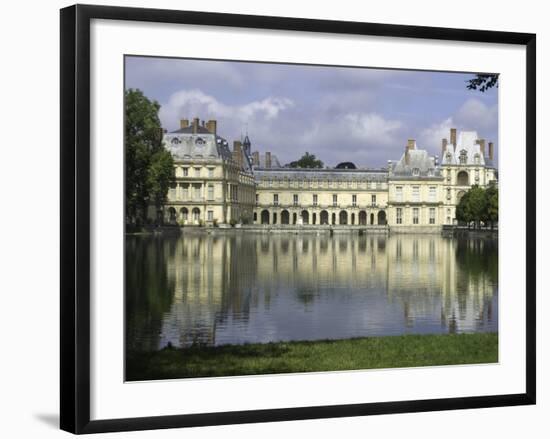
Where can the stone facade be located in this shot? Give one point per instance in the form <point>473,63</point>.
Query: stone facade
<point>216,185</point>
<point>212,184</point>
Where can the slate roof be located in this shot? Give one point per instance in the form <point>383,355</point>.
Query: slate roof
<point>419,164</point>
<point>466,144</point>
<point>332,174</point>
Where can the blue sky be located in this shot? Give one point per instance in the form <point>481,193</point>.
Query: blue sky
<point>337,113</point>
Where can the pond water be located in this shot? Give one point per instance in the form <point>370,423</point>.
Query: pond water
<point>243,287</point>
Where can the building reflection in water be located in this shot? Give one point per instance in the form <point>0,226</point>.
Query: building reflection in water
<point>245,288</point>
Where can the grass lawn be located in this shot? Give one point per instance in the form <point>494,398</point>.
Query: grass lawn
<point>313,356</point>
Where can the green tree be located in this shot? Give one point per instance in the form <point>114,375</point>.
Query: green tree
<point>462,209</point>
<point>491,204</point>
<point>476,203</point>
<point>307,161</point>
<point>483,82</point>
<point>148,165</point>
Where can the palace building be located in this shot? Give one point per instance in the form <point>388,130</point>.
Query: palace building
<point>215,185</point>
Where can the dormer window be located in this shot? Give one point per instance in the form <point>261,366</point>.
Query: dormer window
<point>448,156</point>
<point>431,172</point>
<point>416,172</point>
<point>175,141</point>
<point>476,159</point>
<point>463,157</point>
<point>199,141</point>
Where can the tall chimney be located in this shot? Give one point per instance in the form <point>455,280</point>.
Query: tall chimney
<point>453,138</point>
<point>443,147</point>
<point>410,144</point>
<point>195,125</point>
<point>407,156</point>
<point>491,150</point>
<point>481,143</point>
<point>268,159</point>
<point>184,123</point>
<point>238,152</point>
<point>256,158</point>
<point>211,126</point>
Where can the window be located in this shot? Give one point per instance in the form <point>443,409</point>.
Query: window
<point>295,199</point>
<point>335,200</point>
<point>399,193</point>
<point>416,193</point>
<point>210,191</point>
<point>185,172</point>
<point>210,172</point>
<point>354,200</point>
<point>257,198</point>
<point>210,214</point>
<point>197,191</point>
<point>373,200</point>
<point>315,199</point>
<point>476,159</point>
<point>197,172</point>
<point>416,172</point>
<point>432,215</point>
<point>432,193</point>
<point>463,157</point>
<point>415,215</point>
<point>399,216</point>
<point>276,199</point>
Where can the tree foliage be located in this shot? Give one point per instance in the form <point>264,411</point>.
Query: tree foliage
<point>149,166</point>
<point>479,205</point>
<point>483,82</point>
<point>307,161</point>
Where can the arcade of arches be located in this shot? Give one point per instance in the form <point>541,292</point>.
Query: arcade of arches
<point>323,217</point>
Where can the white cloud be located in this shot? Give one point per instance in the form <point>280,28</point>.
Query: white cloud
<point>191,103</point>
<point>476,114</point>
<point>372,127</point>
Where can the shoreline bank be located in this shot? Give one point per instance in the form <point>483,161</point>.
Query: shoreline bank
<point>312,229</point>
<point>313,356</point>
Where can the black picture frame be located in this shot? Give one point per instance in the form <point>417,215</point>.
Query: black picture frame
<point>75,217</point>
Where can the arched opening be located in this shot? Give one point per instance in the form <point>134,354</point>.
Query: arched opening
<point>372,218</point>
<point>324,217</point>
<point>462,178</point>
<point>333,218</point>
<point>382,218</point>
<point>255,217</point>
<point>184,215</point>
<point>343,217</point>
<point>362,218</point>
<point>294,218</point>
<point>274,218</point>
<point>305,217</point>
<point>352,222</point>
<point>314,218</point>
<point>285,217</point>
<point>196,214</point>
<point>171,215</point>
<point>265,217</point>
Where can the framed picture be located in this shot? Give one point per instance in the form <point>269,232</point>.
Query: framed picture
<point>272,218</point>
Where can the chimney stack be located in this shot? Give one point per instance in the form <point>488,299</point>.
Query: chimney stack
<point>184,123</point>
<point>211,126</point>
<point>491,150</point>
<point>268,159</point>
<point>256,158</point>
<point>443,147</point>
<point>238,152</point>
<point>410,144</point>
<point>195,125</point>
<point>481,143</point>
<point>453,138</point>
